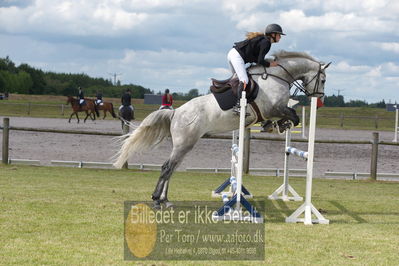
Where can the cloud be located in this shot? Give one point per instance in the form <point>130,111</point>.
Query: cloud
<point>372,83</point>
<point>77,18</point>
<point>180,44</point>
<point>298,21</point>
<point>389,46</point>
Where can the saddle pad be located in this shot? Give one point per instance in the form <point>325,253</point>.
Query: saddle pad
<point>228,99</point>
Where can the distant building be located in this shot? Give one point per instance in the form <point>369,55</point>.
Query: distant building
<point>152,99</point>
<point>391,107</point>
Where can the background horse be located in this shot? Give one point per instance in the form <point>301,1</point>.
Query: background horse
<point>89,108</point>
<point>126,115</point>
<point>202,115</point>
<point>105,106</point>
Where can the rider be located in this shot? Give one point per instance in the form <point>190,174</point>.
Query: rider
<point>126,100</point>
<point>99,98</point>
<point>81,97</point>
<point>167,100</point>
<point>252,50</point>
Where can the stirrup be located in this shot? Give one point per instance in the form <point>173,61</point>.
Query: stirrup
<point>237,111</point>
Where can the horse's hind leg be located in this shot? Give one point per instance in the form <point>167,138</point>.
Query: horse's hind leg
<point>160,194</point>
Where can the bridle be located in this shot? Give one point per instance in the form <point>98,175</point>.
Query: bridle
<point>298,86</point>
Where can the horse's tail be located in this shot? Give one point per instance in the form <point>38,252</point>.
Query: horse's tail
<point>154,128</point>
<point>112,111</point>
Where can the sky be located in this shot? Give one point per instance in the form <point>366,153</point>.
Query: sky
<point>181,44</point>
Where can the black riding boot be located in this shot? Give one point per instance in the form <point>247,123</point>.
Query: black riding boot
<point>237,107</point>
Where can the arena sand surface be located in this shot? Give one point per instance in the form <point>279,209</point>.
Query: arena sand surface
<point>207,152</point>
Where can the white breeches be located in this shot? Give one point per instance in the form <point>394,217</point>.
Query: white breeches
<point>237,65</point>
<point>131,107</point>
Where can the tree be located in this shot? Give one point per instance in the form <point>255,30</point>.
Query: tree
<point>37,77</point>
<point>334,101</point>
<point>8,65</point>
<point>192,93</point>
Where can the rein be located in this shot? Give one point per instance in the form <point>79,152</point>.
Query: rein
<point>294,82</point>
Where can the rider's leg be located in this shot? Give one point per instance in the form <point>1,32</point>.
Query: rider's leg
<point>237,65</point>
<point>241,87</point>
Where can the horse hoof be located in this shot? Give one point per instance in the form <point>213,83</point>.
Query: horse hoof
<point>169,204</point>
<point>283,125</point>
<point>157,205</point>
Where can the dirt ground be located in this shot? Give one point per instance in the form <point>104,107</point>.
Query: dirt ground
<point>207,153</point>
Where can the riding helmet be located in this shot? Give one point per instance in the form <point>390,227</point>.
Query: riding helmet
<point>273,28</point>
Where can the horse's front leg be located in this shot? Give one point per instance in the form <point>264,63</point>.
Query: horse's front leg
<point>70,117</point>
<point>288,119</point>
<point>290,114</point>
<point>87,115</point>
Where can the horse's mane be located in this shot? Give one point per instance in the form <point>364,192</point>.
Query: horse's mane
<point>285,54</point>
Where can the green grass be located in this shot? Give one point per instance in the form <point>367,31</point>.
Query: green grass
<point>72,216</point>
<point>355,118</point>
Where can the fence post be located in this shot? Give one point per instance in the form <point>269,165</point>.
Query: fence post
<point>125,130</point>
<point>6,129</point>
<point>342,120</point>
<point>376,121</point>
<point>247,144</point>
<point>62,109</point>
<point>29,108</point>
<point>374,156</point>
<point>395,139</point>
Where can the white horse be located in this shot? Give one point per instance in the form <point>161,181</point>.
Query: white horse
<point>202,115</point>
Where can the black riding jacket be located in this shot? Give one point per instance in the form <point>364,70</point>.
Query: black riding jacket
<point>80,95</point>
<point>254,50</point>
<point>126,99</point>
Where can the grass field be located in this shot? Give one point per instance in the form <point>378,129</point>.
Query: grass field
<point>73,216</point>
<point>328,117</point>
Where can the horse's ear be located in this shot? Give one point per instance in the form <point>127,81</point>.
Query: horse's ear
<point>327,65</point>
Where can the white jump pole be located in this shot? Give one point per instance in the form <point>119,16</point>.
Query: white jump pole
<point>241,132</point>
<point>238,199</point>
<point>303,123</point>
<point>283,191</point>
<point>396,124</point>
<point>228,183</point>
<point>307,208</point>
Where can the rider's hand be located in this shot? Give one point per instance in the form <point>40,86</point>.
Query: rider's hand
<point>273,63</point>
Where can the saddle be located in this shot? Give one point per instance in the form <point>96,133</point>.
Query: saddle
<point>225,91</point>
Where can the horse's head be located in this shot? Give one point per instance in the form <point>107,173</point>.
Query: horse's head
<point>314,81</point>
<point>71,100</point>
<point>301,66</point>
